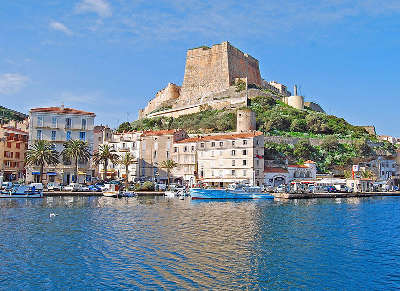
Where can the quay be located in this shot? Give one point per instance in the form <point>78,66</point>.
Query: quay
<point>333,195</point>
<point>69,193</point>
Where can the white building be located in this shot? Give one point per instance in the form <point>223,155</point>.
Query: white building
<point>58,125</point>
<point>383,168</point>
<point>123,143</point>
<point>275,176</point>
<point>221,159</point>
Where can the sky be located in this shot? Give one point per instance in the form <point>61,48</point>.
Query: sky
<point>111,56</point>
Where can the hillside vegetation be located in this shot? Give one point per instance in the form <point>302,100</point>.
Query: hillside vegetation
<point>7,115</point>
<point>208,120</point>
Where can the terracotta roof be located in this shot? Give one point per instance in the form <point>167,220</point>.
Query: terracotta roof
<point>221,137</point>
<point>275,170</point>
<point>60,110</point>
<point>15,129</point>
<point>298,166</point>
<point>309,162</point>
<point>158,132</point>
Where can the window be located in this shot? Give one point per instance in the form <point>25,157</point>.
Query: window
<point>175,149</point>
<point>53,135</point>
<point>233,162</point>
<point>221,143</point>
<point>212,144</point>
<point>244,162</point>
<point>9,144</point>
<point>39,135</point>
<point>257,162</point>
<point>202,145</point>
<point>185,148</point>
<point>82,135</point>
<point>244,142</point>
<point>257,172</point>
<point>233,153</point>
<point>244,173</point>
<point>233,172</point>
<point>167,154</point>
<point>18,145</point>
<point>233,143</point>
<point>54,121</point>
<point>257,142</point>
<point>83,123</point>
<point>68,135</point>
<point>244,152</point>
<point>68,122</point>
<point>155,154</point>
<point>192,148</point>
<point>40,121</point>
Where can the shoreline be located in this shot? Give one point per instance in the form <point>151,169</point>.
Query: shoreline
<point>69,193</point>
<point>333,195</point>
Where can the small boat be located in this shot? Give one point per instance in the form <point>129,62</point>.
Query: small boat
<point>176,192</point>
<point>22,192</point>
<point>234,191</point>
<point>127,194</point>
<point>111,191</point>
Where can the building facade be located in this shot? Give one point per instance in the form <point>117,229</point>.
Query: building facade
<point>219,160</point>
<point>13,145</point>
<point>123,143</point>
<point>58,125</point>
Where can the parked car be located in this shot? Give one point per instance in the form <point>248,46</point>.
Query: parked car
<point>53,186</point>
<point>73,187</point>
<point>38,186</point>
<point>84,188</point>
<point>94,188</point>
<point>330,189</point>
<point>161,187</point>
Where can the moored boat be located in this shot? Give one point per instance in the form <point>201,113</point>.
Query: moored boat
<point>234,191</point>
<point>22,192</point>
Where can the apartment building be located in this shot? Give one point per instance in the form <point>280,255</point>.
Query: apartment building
<point>58,125</point>
<point>13,145</point>
<point>224,158</point>
<point>123,143</point>
<point>156,147</point>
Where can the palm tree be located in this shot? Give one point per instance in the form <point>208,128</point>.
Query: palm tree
<point>127,160</point>
<point>41,153</point>
<point>103,156</point>
<point>168,165</point>
<point>76,150</point>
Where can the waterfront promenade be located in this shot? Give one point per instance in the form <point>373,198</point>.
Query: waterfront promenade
<point>333,195</point>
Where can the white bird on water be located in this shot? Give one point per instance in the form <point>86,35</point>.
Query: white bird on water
<point>53,215</point>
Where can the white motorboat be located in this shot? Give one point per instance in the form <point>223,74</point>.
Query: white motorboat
<point>111,191</point>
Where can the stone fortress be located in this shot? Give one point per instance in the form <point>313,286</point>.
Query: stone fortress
<point>211,80</point>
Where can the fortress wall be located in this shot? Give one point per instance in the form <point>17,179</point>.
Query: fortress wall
<point>172,91</point>
<point>206,72</point>
<point>242,65</point>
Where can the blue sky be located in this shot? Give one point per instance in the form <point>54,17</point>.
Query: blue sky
<point>112,56</point>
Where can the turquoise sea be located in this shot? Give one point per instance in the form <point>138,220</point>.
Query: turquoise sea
<point>100,243</point>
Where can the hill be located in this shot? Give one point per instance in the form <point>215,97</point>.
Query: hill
<point>7,115</point>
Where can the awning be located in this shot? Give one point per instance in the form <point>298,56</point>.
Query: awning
<point>35,173</point>
<point>51,174</point>
<point>81,173</point>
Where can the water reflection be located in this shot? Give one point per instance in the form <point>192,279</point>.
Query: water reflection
<point>155,242</point>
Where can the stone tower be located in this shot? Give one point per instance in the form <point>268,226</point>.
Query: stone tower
<point>245,120</point>
<point>213,70</point>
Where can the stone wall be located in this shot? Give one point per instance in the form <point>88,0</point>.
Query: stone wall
<point>170,92</point>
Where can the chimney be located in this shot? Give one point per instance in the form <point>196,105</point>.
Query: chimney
<point>295,90</point>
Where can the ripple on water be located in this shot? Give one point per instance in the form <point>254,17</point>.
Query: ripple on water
<point>153,243</point>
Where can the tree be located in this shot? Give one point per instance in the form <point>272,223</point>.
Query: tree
<point>127,160</point>
<point>330,144</point>
<point>362,148</point>
<point>303,150</point>
<point>104,155</point>
<point>41,153</point>
<point>76,150</point>
<point>168,165</point>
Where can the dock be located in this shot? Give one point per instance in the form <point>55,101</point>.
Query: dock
<point>333,195</point>
<point>69,193</point>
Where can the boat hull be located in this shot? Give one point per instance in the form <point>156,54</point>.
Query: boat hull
<point>226,194</point>
<point>36,195</point>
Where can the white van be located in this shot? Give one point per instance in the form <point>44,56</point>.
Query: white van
<point>38,186</point>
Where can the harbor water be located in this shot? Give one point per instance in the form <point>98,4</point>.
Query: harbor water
<point>100,243</point>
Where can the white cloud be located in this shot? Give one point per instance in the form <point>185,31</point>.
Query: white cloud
<point>60,27</point>
<point>12,83</point>
<point>100,7</point>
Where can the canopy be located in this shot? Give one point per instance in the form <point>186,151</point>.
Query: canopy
<point>51,174</point>
<point>35,173</point>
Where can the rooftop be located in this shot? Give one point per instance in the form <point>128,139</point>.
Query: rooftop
<point>14,129</point>
<point>159,132</point>
<point>275,170</point>
<point>61,110</point>
<point>222,137</point>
